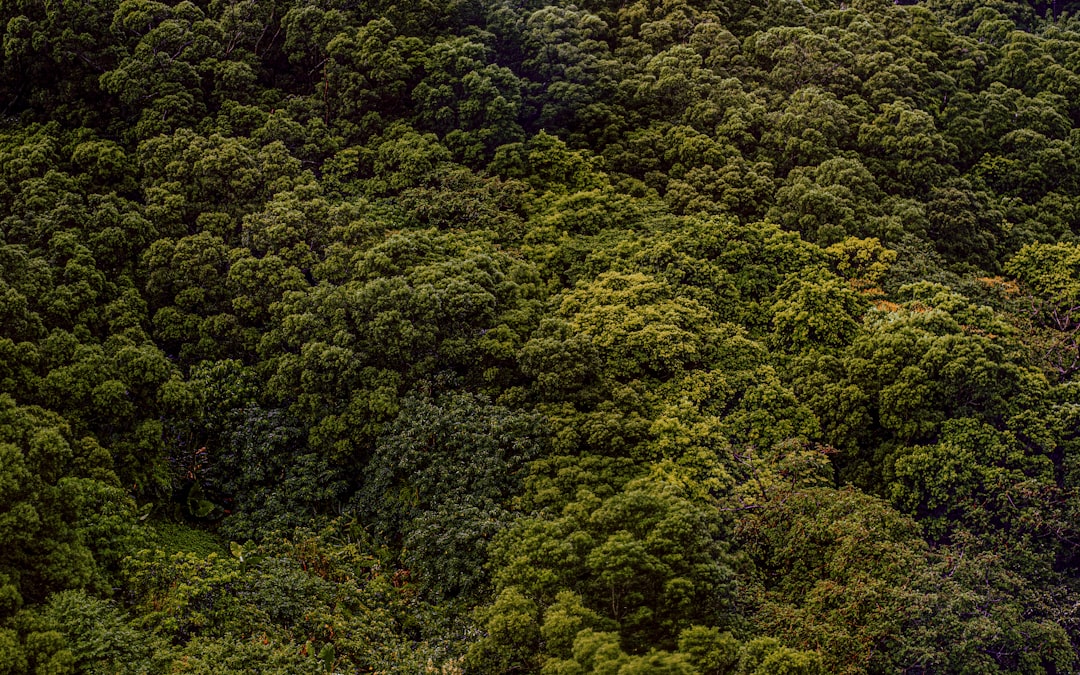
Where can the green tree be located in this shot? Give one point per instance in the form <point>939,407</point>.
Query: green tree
<point>442,478</point>
<point>1048,273</point>
<point>471,104</point>
<point>65,518</point>
<point>905,150</point>
<point>651,558</point>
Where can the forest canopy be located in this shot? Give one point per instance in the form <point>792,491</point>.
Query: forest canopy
<point>491,336</point>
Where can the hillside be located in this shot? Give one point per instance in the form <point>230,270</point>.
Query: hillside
<point>643,336</point>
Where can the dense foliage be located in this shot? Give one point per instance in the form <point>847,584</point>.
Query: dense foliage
<point>462,336</point>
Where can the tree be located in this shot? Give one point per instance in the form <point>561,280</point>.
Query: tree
<point>937,358</point>
<point>442,478</point>
<point>160,79</point>
<point>650,558</point>
<point>195,183</point>
<point>53,56</point>
<point>837,198</point>
<point>371,69</point>
<point>906,148</point>
<point>831,573</point>
<point>811,127</point>
<point>1049,274</point>
<point>821,312</point>
<point>63,509</point>
<point>417,309</point>
<point>472,105</point>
